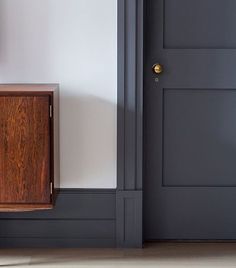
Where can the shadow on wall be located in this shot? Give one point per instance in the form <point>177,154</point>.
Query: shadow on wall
<point>88,141</point>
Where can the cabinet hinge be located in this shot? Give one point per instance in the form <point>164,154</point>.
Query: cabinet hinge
<point>51,188</point>
<point>50,111</point>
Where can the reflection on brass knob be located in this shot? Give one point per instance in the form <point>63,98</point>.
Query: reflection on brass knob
<point>157,68</point>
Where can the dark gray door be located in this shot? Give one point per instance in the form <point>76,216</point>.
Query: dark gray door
<point>190,120</point>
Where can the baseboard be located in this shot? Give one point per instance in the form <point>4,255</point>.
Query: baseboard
<point>81,218</point>
<point>38,242</point>
<point>129,219</point>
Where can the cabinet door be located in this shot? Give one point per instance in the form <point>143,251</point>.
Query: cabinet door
<point>24,149</point>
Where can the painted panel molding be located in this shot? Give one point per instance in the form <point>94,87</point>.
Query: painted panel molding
<point>81,218</point>
<point>130,119</point>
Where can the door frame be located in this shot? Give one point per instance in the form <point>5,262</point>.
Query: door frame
<point>129,209</point>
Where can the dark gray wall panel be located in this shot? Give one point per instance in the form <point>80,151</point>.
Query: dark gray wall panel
<point>75,204</point>
<point>81,218</point>
<point>38,242</point>
<point>80,229</point>
<point>199,137</point>
<point>199,24</point>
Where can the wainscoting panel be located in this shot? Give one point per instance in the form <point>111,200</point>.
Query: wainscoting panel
<point>81,218</point>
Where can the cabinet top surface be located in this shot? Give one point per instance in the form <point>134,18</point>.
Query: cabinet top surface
<point>29,87</point>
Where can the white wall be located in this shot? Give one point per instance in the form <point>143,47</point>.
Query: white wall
<point>71,42</point>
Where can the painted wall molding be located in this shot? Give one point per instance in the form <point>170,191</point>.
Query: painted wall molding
<point>130,123</point>
<point>81,218</point>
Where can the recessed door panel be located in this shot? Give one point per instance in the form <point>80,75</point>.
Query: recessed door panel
<point>199,137</point>
<point>199,24</point>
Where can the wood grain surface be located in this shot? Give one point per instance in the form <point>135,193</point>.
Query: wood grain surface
<point>24,149</point>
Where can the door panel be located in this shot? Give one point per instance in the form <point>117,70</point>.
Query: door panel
<point>199,24</point>
<point>25,149</point>
<point>189,120</point>
<point>199,137</point>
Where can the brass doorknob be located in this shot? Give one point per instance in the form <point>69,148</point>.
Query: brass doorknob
<point>157,68</point>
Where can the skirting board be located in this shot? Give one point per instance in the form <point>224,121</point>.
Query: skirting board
<point>129,219</point>
<point>81,218</point>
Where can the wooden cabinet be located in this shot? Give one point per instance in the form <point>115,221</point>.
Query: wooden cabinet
<point>29,150</point>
